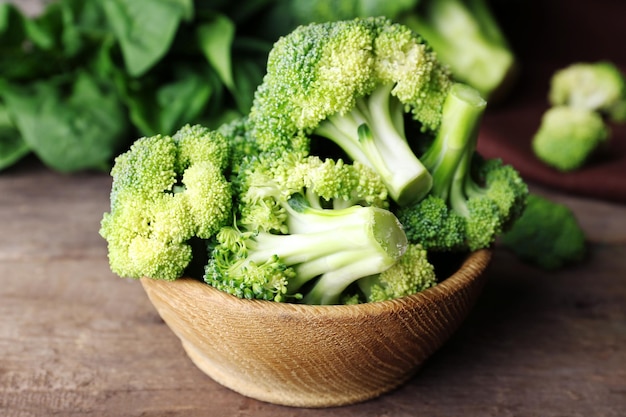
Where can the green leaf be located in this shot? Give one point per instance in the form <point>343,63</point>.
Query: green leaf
<point>12,147</point>
<point>248,75</point>
<point>45,30</point>
<point>216,39</point>
<point>182,101</point>
<point>250,56</point>
<point>83,130</point>
<point>17,61</point>
<point>166,106</point>
<point>145,29</point>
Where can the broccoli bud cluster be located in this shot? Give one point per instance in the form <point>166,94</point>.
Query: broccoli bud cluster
<point>584,98</point>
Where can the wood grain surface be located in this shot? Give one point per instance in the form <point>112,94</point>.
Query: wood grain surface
<point>75,340</point>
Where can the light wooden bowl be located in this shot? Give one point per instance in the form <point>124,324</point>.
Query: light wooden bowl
<point>315,356</point>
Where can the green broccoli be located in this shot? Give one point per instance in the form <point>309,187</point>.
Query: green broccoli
<point>568,137</point>
<point>431,223</point>
<point>411,274</point>
<point>598,86</point>
<point>353,82</point>
<point>166,190</point>
<point>472,200</point>
<point>547,235</point>
<point>240,142</point>
<point>465,34</point>
<point>468,38</point>
<point>288,216</point>
<point>307,228</point>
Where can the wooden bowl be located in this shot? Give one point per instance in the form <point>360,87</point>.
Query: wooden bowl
<point>315,356</point>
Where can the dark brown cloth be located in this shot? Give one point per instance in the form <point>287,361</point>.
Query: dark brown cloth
<point>547,36</point>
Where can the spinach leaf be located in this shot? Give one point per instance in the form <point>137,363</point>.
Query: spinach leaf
<point>145,29</point>
<point>83,79</point>
<point>12,146</point>
<point>215,38</point>
<point>163,104</point>
<point>81,128</point>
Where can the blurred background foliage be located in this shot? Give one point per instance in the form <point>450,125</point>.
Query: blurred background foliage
<point>81,80</point>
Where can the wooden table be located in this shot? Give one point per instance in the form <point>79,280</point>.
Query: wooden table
<point>75,340</point>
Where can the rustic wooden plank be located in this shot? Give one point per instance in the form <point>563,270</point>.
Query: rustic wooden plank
<point>99,347</point>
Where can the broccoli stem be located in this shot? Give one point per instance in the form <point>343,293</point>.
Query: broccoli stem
<point>461,184</point>
<point>467,37</point>
<point>372,132</point>
<point>449,156</point>
<point>305,216</point>
<point>357,242</point>
<point>330,286</point>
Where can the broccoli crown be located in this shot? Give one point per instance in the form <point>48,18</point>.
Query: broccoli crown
<point>546,235</point>
<point>231,268</point>
<point>411,274</point>
<point>166,190</point>
<point>568,136</point>
<point>331,79</point>
<point>475,213</point>
<point>431,223</point>
<point>322,69</point>
<point>304,219</point>
<point>491,200</point>
<point>598,86</point>
<point>240,142</point>
<point>487,195</point>
<point>272,190</point>
<point>465,34</point>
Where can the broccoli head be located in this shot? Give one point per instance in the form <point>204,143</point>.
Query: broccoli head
<point>165,191</point>
<point>597,86</point>
<point>411,274</point>
<point>306,228</point>
<point>431,223</point>
<point>353,82</point>
<point>472,199</point>
<point>547,235</point>
<point>568,137</point>
<point>465,34</point>
<point>240,142</point>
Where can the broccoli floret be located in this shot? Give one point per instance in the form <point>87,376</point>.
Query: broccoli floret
<point>240,142</point>
<point>166,190</point>
<point>464,33</point>
<point>598,86</point>
<point>411,274</point>
<point>269,182</point>
<point>585,97</point>
<point>568,137</point>
<point>472,200</point>
<point>547,235</point>
<point>353,82</point>
<point>307,228</point>
<point>434,225</point>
